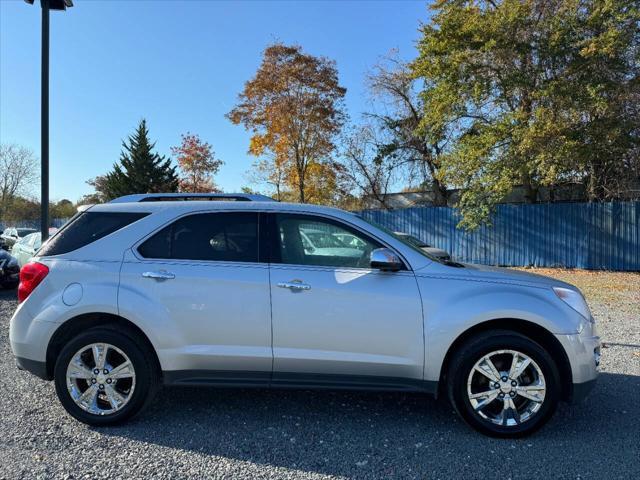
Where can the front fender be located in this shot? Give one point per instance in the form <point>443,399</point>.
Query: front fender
<point>452,307</point>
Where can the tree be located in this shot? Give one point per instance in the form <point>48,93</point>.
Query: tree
<point>270,172</point>
<point>90,198</point>
<point>398,131</point>
<point>372,172</point>
<point>101,194</point>
<point>294,109</point>
<point>198,164</point>
<point>22,208</point>
<point>140,170</point>
<point>18,172</point>
<point>62,209</point>
<point>532,93</point>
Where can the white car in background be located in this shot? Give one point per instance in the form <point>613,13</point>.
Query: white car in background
<point>25,248</point>
<point>355,242</point>
<point>325,244</point>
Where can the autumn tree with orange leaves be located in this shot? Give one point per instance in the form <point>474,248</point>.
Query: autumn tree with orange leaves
<point>197,163</point>
<point>294,109</point>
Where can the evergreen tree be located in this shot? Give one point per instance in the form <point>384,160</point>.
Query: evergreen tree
<point>140,170</point>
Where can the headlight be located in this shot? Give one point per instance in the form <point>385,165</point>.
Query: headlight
<point>574,299</point>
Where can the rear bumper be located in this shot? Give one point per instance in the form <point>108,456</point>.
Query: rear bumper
<point>39,369</point>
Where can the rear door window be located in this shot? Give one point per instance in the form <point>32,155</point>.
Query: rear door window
<point>223,236</point>
<point>86,228</point>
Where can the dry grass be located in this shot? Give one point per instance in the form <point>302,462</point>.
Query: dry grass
<point>598,286</point>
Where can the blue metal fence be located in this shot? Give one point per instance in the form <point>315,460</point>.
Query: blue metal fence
<point>55,222</point>
<point>604,236</point>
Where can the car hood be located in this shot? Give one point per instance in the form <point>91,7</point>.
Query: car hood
<point>436,251</point>
<point>500,275</point>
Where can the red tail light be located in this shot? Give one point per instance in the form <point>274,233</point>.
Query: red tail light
<point>31,275</point>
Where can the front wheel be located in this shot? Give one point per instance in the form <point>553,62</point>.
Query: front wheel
<point>104,377</point>
<point>503,384</point>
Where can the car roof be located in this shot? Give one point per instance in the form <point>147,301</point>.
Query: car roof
<point>181,207</point>
<point>159,197</point>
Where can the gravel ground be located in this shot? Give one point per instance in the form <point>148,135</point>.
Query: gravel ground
<point>208,433</point>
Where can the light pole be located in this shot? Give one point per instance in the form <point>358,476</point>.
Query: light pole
<point>46,5</point>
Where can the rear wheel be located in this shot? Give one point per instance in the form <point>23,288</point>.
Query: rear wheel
<point>503,384</point>
<point>104,377</point>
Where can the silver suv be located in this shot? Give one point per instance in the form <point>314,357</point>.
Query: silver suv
<point>157,290</point>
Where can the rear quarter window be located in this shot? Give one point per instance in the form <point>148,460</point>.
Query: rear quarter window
<point>86,228</point>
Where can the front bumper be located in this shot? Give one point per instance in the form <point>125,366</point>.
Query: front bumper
<point>583,352</point>
<point>581,391</point>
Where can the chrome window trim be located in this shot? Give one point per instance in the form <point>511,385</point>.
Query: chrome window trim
<point>136,245</point>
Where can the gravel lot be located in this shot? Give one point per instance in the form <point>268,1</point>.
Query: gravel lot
<point>208,433</point>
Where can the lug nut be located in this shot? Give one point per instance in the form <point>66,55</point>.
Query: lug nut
<point>496,385</point>
<point>501,395</point>
<point>93,380</point>
<point>105,371</point>
<point>101,387</point>
<point>512,393</point>
<point>514,383</point>
<point>96,371</point>
<point>109,380</point>
<point>504,379</point>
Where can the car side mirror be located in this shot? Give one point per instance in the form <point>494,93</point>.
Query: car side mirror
<point>386,260</point>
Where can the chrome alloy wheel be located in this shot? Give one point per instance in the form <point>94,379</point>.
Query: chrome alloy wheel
<point>101,378</point>
<point>506,387</point>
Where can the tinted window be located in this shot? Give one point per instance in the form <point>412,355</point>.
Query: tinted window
<point>230,237</point>
<point>87,227</point>
<point>306,240</point>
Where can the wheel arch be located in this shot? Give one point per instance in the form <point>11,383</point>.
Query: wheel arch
<point>75,325</point>
<point>535,332</point>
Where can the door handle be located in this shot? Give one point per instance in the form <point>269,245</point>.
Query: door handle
<point>294,285</point>
<point>159,275</point>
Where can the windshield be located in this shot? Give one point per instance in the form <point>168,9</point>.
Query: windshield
<point>408,242</point>
<point>25,231</point>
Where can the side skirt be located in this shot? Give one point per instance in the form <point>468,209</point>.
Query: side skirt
<point>227,379</point>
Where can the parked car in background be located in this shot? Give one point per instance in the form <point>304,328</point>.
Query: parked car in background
<point>11,235</point>
<point>325,244</point>
<point>133,294</point>
<point>25,248</point>
<point>416,242</point>
<point>9,270</point>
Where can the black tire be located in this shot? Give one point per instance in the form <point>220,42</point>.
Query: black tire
<point>471,352</point>
<point>147,379</point>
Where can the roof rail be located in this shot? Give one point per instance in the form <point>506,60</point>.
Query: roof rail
<point>167,197</point>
